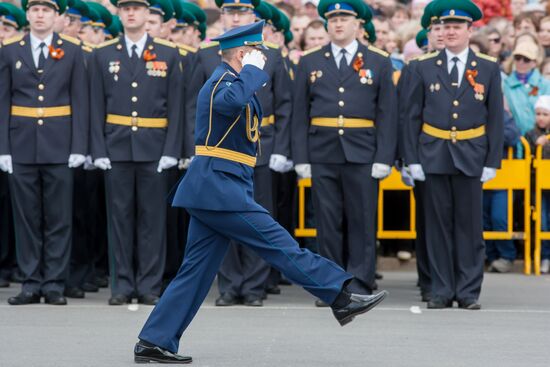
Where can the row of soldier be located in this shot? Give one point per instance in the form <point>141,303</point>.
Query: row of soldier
<point>127,107</point>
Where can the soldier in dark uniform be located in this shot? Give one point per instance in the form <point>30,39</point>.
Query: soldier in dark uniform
<point>12,21</point>
<point>44,103</point>
<point>136,134</point>
<point>160,13</point>
<point>344,137</point>
<point>454,141</point>
<point>218,193</point>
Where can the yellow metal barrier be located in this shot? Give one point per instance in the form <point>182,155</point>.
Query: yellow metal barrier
<point>515,175</point>
<point>542,182</point>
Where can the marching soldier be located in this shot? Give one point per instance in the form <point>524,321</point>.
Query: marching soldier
<point>344,137</point>
<point>453,142</point>
<point>136,134</point>
<point>44,104</point>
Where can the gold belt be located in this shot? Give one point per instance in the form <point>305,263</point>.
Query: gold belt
<point>341,122</point>
<point>268,120</point>
<point>230,155</point>
<point>137,121</point>
<point>454,135</point>
<point>40,112</point>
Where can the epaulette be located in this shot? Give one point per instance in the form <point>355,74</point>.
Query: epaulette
<point>416,57</point>
<point>183,52</point>
<point>70,39</point>
<point>188,48</point>
<point>209,44</point>
<point>486,57</point>
<point>108,43</point>
<point>9,41</point>
<point>428,56</point>
<point>271,45</point>
<point>87,48</point>
<point>160,41</point>
<point>378,51</point>
<point>311,50</point>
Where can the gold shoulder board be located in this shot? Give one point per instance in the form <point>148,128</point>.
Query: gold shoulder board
<point>311,50</point>
<point>9,41</point>
<point>70,39</point>
<point>188,48</point>
<point>160,41</point>
<point>183,52</point>
<point>486,57</point>
<point>271,45</point>
<point>379,51</point>
<point>209,44</point>
<point>428,56</point>
<point>108,43</point>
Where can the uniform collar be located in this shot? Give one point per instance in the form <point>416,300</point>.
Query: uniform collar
<point>462,56</point>
<point>35,41</point>
<point>351,49</point>
<point>140,44</point>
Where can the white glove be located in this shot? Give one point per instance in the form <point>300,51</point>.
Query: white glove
<point>184,163</point>
<point>6,164</point>
<point>417,172</point>
<point>103,163</point>
<point>406,177</point>
<point>89,164</point>
<point>255,58</point>
<point>166,162</point>
<point>303,170</point>
<point>289,164</point>
<point>277,162</point>
<point>76,160</point>
<point>488,174</point>
<point>380,170</point>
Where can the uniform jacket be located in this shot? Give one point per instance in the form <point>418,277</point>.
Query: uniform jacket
<point>63,82</point>
<point>214,183</point>
<point>275,98</point>
<point>188,56</point>
<point>320,91</point>
<point>117,88</point>
<point>432,99</point>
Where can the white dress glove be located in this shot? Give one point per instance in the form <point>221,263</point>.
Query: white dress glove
<point>184,163</point>
<point>380,171</point>
<point>406,177</point>
<point>89,164</point>
<point>417,172</point>
<point>303,170</point>
<point>166,162</point>
<point>277,162</point>
<point>289,165</point>
<point>103,163</point>
<point>6,163</point>
<point>488,174</point>
<point>255,58</point>
<point>76,160</point>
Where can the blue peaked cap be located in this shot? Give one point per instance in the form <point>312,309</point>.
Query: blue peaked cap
<point>246,35</point>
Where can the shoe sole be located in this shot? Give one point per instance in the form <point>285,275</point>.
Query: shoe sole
<point>143,360</point>
<point>350,318</point>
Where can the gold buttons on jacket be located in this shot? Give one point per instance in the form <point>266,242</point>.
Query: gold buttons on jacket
<point>134,99</point>
<point>41,98</point>
<point>455,115</point>
<point>341,103</point>
<point>341,90</point>
<point>134,85</point>
<point>41,86</point>
<point>341,132</point>
<point>40,122</point>
<point>134,113</point>
<point>455,103</point>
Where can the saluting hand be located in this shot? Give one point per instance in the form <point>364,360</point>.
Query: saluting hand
<point>255,58</point>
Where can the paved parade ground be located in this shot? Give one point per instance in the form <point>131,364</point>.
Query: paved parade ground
<point>513,329</point>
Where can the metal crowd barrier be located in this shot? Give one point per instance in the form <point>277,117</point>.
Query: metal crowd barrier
<point>515,175</point>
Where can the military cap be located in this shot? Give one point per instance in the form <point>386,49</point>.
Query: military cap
<point>264,11</point>
<point>198,13</point>
<point>238,3</point>
<point>100,16</point>
<point>183,17</point>
<point>422,38</point>
<point>246,35</point>
<point>163,8</point>
<point>288,36</point>
<point>58,5</point>
<point>202,29</point>
<point>118,3</point>
<point>457,10</point>
<point>13,15</point>
<point>77,8</point>
<point>429,18</point>
<point>357,8</point>
<point>114,29</point>
<point>370,32</point>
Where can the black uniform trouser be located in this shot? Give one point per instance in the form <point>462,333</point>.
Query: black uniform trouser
<point>243,272</point>
<point>347,191</point>
<point>454,236</point>
<point>42,200</point>
<point>422,260</point>
<point>136,222</point>
<point>7,249</point>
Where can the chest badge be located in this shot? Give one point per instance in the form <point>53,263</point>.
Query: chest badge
<point>114,68</point>
<point>18,65</point>
<point>156,68</point>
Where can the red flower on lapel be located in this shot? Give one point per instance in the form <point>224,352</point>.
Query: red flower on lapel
<point>56,53</point>
<point>534,91</point>
<point>358,63</point>
<point>471,76</point>
<point>149,56</point>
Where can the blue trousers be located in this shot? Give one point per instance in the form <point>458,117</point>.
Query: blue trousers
<point>209,235</point>
<point>495,218</point>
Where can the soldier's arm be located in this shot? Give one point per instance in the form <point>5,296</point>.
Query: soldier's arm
<point>196,81</point>
<point>188,149</point>
<point>282,107</point>
<point>174,134</point>
<point>414,98</point>
<point>401,104</point>
<point>300,117</point>
<point>80,107</point>
<point>5,103</point>
<point>97,111</point>
<point>386,117</point>
<point>495,121</point>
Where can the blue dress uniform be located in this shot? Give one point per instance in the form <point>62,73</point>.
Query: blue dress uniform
<point>454,131</point>
<point>218,193</point>
<point>136,120</point>
<point>344,121</point>
<point>44,110</point>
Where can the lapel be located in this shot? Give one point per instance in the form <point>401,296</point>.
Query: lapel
<point>140,67</point>
<point>442,73</point>
<point>50,61</point>
<point>362,50</point>
<point>124,58</point>
<point>329,61</point>
<point>471,64</point>
<point>25,52</point>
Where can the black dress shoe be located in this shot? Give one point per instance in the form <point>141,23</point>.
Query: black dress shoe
<point>102,281</point>
<point>24,298</point>
<point>378,276</point>
<point>4,283</point>
<point>226,300</point>
<point>146,353</point>
<point>426,296</point>
<point>253,301</point>
<point>358,305</point>
<point>273,290</point>
<point>439,303</point>
<point>149,299</point>
<point>470,304</point>
<point>319,303</point>
<point>89,287</point>
<point>55,298</point>
<point>74,292</point>
<point>118,300</point>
